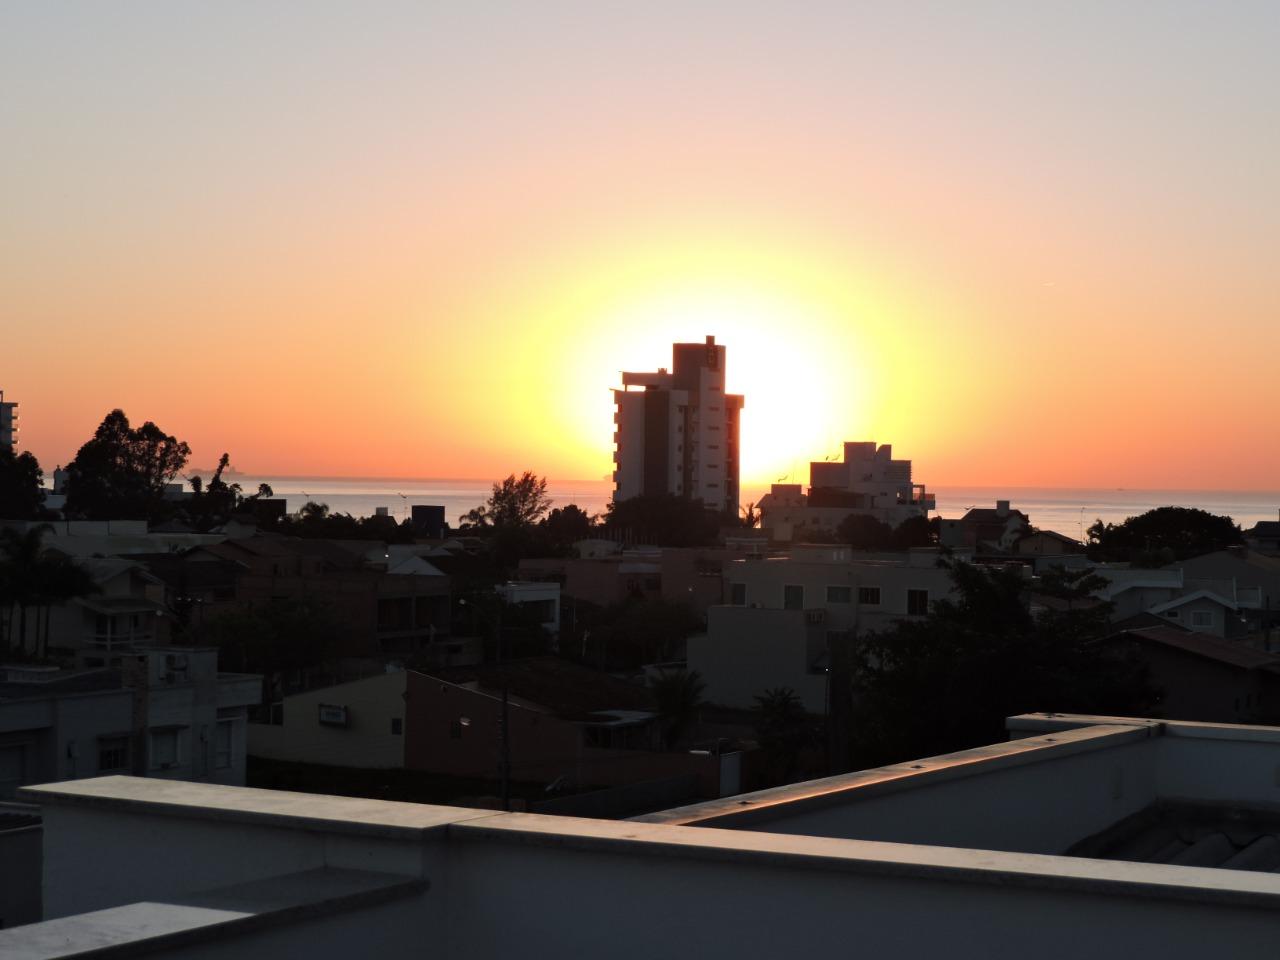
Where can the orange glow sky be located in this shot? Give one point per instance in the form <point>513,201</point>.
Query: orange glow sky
<point>1028,244</point>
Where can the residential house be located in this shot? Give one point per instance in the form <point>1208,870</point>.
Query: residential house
<point>990,530</point>
<point>566,724</point>
<point>1264,537</point>
<point>1205,678</point>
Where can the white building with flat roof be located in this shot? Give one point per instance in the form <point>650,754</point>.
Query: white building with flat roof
<point>676,432</point>
<point>8,422</point>
<point>1102,837</point>
<point>164,712</point>
<point>868,480</point>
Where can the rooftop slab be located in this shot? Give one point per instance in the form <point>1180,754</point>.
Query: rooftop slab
<point>1056,744</point>
<point>140,928</point>
<point>278,808</point>
<point>880,859</point>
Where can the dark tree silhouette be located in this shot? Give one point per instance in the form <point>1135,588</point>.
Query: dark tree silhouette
<point>121,473</point>
<point>864,532</point>
<point>33,578</point>
<point>663,521</point>
<point>677,695</point>
<point>515,502</point>
<point>564,526</point>
<point>784,730</point>
<point>21,497</point>
<point>1163,535</point>
<point>948,682</point>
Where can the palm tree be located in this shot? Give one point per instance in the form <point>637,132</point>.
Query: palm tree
<point>60,579</point>
<point>19,574</point>
<point>678,695</point>
<point>31,577</point>
<point>783,727</point>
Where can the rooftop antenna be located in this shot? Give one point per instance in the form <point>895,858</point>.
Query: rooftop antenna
<point>406,504</point>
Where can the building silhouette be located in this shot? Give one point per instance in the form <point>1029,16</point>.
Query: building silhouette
<point>677,432</point>
<point>8,422</point>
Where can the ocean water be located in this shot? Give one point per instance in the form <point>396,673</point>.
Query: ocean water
<point>1068,511</point>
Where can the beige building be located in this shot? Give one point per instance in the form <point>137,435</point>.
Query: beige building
<point>782,613</point>
<point>356,724</point>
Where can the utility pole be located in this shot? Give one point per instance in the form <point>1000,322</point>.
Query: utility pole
<point>504,726</point>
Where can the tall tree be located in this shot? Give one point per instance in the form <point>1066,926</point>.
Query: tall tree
<point>20,553</point>
<point>21,497</point>
<point>121,472</point>
<point>59,579</point>
<point>677,695</point>
<point>514,503</point>
<point>33,579</point>
<point>784,730</point>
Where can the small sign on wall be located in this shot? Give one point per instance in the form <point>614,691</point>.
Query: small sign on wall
<point>332,715</point>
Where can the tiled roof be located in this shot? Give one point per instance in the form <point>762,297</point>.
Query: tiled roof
<point>1203,645</point>
<point>564,688</point>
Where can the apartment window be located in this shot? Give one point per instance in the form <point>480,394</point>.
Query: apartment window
<point>917,603</point>
<point>839,594</point>
<point>222,745</point>
<point>870,596</point>
<point>113,754</point>
<point>792,597</point>
<point>164,749</point>
<point>738,594</point>
<point>1201,618</point>
<point>1173,614</point>
<point>397,726</point>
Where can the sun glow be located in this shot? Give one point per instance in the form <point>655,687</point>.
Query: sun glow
<point>806,344</point>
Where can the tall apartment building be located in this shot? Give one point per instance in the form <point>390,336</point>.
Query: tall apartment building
<point>8,422</point>
<point>677,432</point>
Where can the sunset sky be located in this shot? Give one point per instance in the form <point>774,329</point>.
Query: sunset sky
<point>1025,243</point>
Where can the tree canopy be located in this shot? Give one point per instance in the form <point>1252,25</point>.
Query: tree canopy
<point>121,472</point>
<point>515,502</point>
<point>663,521</point>
<point>33,578</point>
<point>947,682</point>
<point>1162,536</point>
<point>21,497</point>
<point>865,532</point>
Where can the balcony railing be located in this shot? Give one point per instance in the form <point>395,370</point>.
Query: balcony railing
<point>112,641</point>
